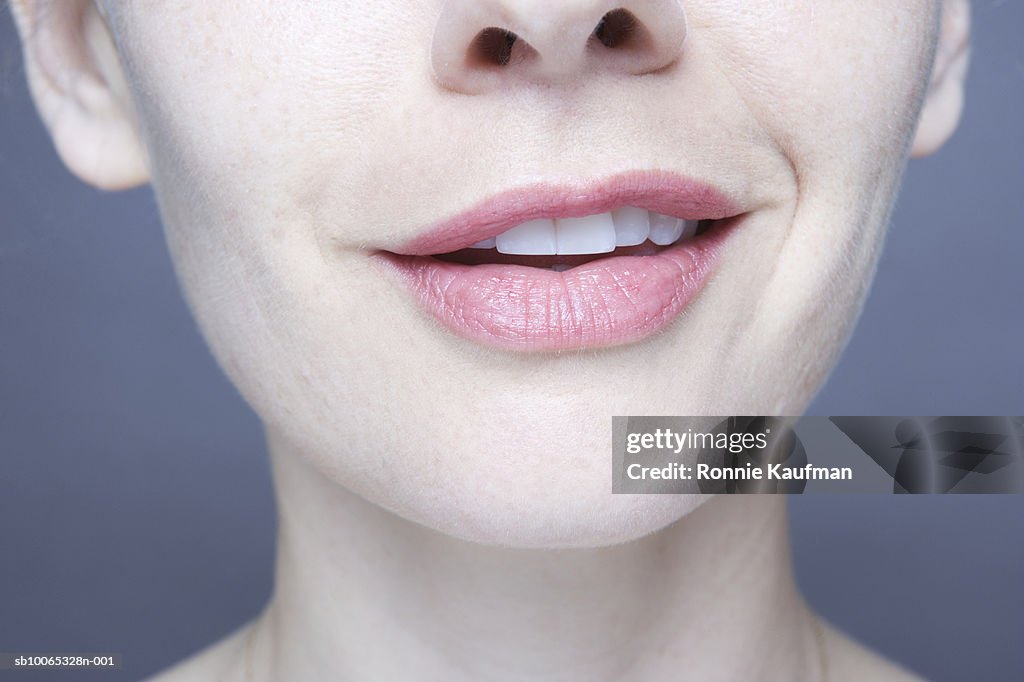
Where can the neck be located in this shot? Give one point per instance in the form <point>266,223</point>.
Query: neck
<point>363,594</point>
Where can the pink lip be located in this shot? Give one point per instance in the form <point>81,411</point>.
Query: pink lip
<point>608,301</point>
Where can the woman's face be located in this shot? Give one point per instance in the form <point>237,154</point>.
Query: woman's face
<point>293,147</point>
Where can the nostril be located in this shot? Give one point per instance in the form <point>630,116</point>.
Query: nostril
<point>618,28</point>
<point>492,47</point>
<point>481,46</point>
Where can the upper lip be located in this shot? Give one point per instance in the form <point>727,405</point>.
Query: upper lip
<point>659,191</point>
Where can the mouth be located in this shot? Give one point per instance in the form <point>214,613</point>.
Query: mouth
<point>555,268</point>
<point>561,244</point>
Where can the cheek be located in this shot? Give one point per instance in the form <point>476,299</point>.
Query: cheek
<point>234,137</point>
<point>832,78</point>
<point>837,87</point>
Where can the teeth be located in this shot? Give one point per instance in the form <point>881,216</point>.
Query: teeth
<point>535,238</point>
<point>600,233</point>
<point>665,229</point>
<point>632,225</point>
<point>689,229</point>
<point>592,234</point>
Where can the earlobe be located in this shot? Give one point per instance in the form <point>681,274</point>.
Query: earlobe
<point>944,100</point>
<point>80,92</point>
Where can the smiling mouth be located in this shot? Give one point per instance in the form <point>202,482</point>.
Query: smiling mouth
<point>554,268</point>
<point>561,244</point>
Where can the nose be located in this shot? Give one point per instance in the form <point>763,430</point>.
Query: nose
<point>483,45</point>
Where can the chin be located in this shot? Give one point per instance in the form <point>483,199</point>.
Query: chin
<point>547,523</point>
<point>527,494</point>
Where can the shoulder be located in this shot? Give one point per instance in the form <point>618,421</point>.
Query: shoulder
<point>850,661</point>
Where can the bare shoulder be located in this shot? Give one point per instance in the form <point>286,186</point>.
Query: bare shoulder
<point>850,661</point>
<point>219,662</point>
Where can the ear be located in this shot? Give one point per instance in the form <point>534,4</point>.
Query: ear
<point>945,97</point>
<point>80,90</point>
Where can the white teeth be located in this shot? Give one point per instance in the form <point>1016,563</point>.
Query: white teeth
<point>600,233</point>
<point>665,229</point>
<point>534,238</point>
<point>591,234</point>
<point>632,225</point>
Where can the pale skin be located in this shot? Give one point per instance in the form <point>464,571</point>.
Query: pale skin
<point>444,507</point>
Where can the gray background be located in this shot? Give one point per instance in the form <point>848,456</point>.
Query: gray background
<point>135,506</point>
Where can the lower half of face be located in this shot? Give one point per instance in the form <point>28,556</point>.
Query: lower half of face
<point>690,236</point>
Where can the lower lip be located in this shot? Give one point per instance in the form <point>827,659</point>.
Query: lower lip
<point>607,302</point>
